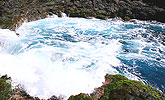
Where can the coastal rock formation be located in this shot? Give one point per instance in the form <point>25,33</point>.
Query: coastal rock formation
<point>14,12</point>
<point>5,88</point>
<point>115,87</point>
<point>118,87</point>
<point>7,92</point>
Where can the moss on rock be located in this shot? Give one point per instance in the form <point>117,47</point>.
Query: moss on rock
<point>5,88</point>
<point>101,16</point>
<point>115,87</point>
<point>80,96</point>
<point>119,87</point>
<point>124,89</point>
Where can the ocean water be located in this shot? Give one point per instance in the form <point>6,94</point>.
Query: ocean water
<point>66,56</point>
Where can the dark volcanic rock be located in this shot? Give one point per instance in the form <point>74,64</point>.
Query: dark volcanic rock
<point>159,3</point>
<point>13,12</point>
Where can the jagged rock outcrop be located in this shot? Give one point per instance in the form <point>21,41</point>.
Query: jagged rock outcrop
<point>118,87</point>
<point>12,12</point>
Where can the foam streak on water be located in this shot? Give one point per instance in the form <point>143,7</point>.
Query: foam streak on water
<point>67,56</point>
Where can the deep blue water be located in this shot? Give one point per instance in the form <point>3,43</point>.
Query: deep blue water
<point>134,49</point>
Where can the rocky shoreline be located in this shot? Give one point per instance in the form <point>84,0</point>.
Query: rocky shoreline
<point>14,12</point>
<point>115,87</point>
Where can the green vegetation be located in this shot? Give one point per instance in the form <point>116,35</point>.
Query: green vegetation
<point>119,87</point>
<point>100,16</point>
<point>22,5</point>
<point>80,96</point>
<point>122,88</point>
<point>7,92</point>
<point>115,78</point>
<point>126,18</point>
<point>5,88</point>
<point>116,87</point>
<point>51,4</point>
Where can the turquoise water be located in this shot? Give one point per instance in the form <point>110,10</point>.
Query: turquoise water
<point>67,56</point>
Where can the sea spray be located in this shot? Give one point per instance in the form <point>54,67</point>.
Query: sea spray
<point>67,56</point>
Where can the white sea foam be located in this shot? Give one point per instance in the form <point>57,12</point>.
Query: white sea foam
<point>61,71</point>
<point>53,66</point>
<point>48,71</point>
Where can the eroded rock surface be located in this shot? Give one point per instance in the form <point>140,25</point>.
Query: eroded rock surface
<point>12,12</point>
